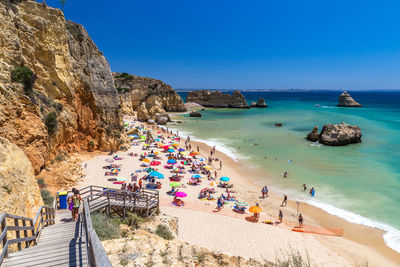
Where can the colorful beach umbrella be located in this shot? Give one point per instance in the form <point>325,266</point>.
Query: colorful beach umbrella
<point>156,175</point>
<point>181,149</point>
<point>177,170</point>
<point>184,153</point>
<point>146,160</point>
<point>171,150</point>
<point>196,176</point>
<point>240,204</point>
<point>224,179</point>
<point>180,194</point>
<point>155,163</point>
<point>207,168</point>
<point>175,184</point>
<point>171,161</point>
<point>165,147</point>
<point>255,209</point>
<point>202,159</point>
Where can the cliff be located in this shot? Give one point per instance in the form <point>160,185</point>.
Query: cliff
<point>68,100</point>
<point>19,192</point>
<point>151,98</point>
<point>217,99</point>
<point>345,100</point>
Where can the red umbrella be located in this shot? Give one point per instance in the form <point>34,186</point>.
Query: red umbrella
<point>165,147</point>
<point>155,163</point>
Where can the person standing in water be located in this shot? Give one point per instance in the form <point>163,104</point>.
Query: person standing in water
<point>285,174</point>
<point>300,220</point>
<point>284,202</point>
<point>304,187</point>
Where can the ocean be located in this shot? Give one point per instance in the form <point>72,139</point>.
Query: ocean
<point>358,182</point>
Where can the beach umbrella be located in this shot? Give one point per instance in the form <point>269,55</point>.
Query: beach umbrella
<point>213,183</point>
<point>165,147</point>
<point>156,175</point>
<point>240,204</point>
<point>175,145</point>
<point>202,159</point>
<point>158,132</point>
<point>146,145</point>
<point>175,184</point>
<point>143,137</point>
<point>178,171</point>
<point>171,161</point>
<point>115,170</point>
<point>196,176</point>
<point>171,150</point>
<point>181,149</point>
<point>121,179</point>
<point>180,194</point>
<point>224,179</point>
<point>118,182</point>
<point>255,209</point>
<point>155,163</point>
<point>157,139</point>
<point>184,153</point>
<point>195,153</point>
<point>146,160</point>
<point>207,168</point>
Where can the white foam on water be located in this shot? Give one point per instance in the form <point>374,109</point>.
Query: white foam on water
<point>391,237</point>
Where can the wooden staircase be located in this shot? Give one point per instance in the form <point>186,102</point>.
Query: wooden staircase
<point>61,244</point>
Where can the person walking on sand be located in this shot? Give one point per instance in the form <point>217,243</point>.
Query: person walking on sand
<point>76,202</point>
<point>140,183</point>
<point>300,220</point>
<point>198,149</point>
<point>220,165</point>
<point>284,202</point>
<point>280,216</point>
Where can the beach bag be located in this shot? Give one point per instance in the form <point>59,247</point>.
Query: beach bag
<point>71,205</point>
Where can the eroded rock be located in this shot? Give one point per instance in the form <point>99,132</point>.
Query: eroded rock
<point>217,99</point>
<point>345,100</point>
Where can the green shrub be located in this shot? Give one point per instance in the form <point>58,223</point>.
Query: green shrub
<point>105,227</point>
<point>41,182</point>
<point>46,196</point>
<point>125,76</point>
<point>91,144</point>
<point>133,220</point>
<point>60,157</point>
<point>163,231</point>
<point>117,134</point>
<point>59,107</point>
<point>7,188</point>
<point>51,123</point>
<point>25,76</point>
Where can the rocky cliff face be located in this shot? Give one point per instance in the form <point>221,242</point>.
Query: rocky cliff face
<point>345,100</point>
<point>217,99</point>
<point>73,102</point>
<point>19,192</point>
<point>151,98</point>
<point>336,134</point>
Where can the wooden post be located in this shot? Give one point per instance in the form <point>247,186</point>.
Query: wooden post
<point>25,234</point>
<point>3,227</point>
<point>17,235</point>
<point>33,232</point>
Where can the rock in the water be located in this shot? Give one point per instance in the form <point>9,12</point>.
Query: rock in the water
<point>336,134</point>
<point>253,104</point>
<point>217,99</point>
<point>313,135</point>
<point>278,124</point>
<point>195,113</point>
<point>261,103</point>
<point>345,100</point>
<point>162,120</point>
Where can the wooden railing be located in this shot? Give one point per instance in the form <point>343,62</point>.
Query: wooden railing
<point>27,230</point>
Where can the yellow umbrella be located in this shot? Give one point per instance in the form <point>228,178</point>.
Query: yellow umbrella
<point>213,183</point>
<point>175,145</point>
<point>145,160</point>
<point>207,168</point>
<point>184,153</point>
<point>255,209</point>
<point>195,153</point>
<point>157,153</point>
<point>146,145</point>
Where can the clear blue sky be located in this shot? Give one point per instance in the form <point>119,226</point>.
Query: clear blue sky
<point>248,44</point>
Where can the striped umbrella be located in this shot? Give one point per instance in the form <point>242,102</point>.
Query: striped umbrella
<point>240,203</point>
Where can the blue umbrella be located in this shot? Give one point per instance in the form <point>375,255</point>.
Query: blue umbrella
<point>171,161</point>
<point>156,175</point>
<point>196,176</point>
<point>181,149</point>
<point>224,179</point>
<point>171,150</point>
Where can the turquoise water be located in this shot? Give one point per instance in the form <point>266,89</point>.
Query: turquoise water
<point>359,182</point>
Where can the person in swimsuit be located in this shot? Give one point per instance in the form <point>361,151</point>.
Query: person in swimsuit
<point>76,200</point>
<point>284,202</point>
<point>280,216</point>
<point>300,220</point>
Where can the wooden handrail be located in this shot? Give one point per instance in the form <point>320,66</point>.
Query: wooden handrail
<point>45,218</point>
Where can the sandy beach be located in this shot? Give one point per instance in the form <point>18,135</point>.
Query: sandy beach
<point>228,232</point>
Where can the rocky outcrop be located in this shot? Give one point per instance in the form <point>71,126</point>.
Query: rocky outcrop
<point>217,99</point>
<point>345,100</point>
<point>149,96</point>
<point>261,103</point>
<point>73,93</point>
<point>192,105</point>
<point>195,113</point>
<point>313,135</point>
<point>19,191</point>
<point>336,134</point>
<point>253,104</point>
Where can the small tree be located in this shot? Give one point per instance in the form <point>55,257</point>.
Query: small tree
<point>51,123</point>
<point>25,76</point>
<point>62,2</point>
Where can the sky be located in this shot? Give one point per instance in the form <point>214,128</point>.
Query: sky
<point>248,44</point>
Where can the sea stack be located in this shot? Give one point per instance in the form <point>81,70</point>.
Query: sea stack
<point>345,100</point>
<point>336,134</point>
<point>261,103</point>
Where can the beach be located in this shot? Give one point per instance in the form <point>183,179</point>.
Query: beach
<point>358,245</point>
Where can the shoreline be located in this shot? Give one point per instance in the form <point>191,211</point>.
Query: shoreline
<point>361,234</point>
<point>358,241</point>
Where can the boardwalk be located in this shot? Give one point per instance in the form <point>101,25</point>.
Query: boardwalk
<point>61,244</point>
